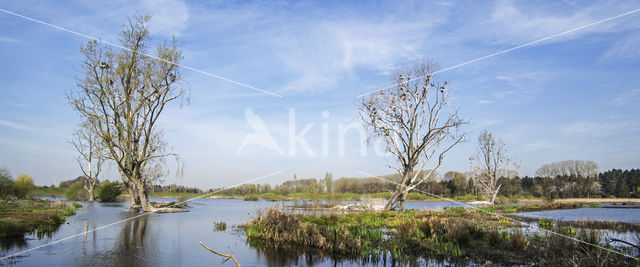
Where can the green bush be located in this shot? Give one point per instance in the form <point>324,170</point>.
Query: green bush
<point>6,183</point>
<point>22,185</point>
<point>75,192</point>
<point>109,192</point>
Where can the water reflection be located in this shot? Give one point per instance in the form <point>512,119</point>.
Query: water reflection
<point>129,248</point>
<point>172,239</point>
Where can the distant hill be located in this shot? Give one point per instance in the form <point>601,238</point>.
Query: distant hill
<point>80,178</point>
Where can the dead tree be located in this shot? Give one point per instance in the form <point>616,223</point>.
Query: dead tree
<point>417,124</point>
<point>91,154</point>
<point>122,94</point>
<point>489,163</point>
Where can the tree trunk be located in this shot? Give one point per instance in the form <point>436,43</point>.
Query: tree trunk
<point>134,200</point>
<point>403,198</point>
<point>400,194</point>
<point>143,198</point>
<point>493,198</point>
<point>91,195</point>
<point>394,198</point>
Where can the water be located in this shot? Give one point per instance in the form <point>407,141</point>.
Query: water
<point>170,239</point>
<point>595,214</point>
<point>173,239</point>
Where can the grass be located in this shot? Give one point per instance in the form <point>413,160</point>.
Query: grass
<point>42,217</point>
<point>49,191</point>
<point>175,195</point>
<point>598,200</point>
<point>455,234</point>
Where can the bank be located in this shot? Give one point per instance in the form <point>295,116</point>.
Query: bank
<point>33,216</point>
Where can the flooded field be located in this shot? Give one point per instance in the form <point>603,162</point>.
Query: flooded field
<point>173,239</point>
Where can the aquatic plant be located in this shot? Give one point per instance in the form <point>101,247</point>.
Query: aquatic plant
<point>455,211</point>
<point>219,226</point>
<point>510,209</point>
<point>251,198</point>
<point>545,223</point>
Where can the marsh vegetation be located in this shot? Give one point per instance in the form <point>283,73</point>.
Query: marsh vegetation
<point>453,235</point>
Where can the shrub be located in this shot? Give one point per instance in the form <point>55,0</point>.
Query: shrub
<point>22,185</point>
<point>63,184</point>
<point>6,184</point>
<point>109,192</point>
<point>75,191</point>
<point>457,232</point>
<point>494,237</point>
<point>519,240</point>
<point>251,198</point>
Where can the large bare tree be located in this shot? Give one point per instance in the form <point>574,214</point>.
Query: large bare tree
<point>417,124</point>
<point>122,94</point>
<point>91,155</point>
<point>489,163</point>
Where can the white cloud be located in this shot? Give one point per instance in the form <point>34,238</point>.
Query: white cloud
<point>333,50</point>
<point>527,22</point>
<point>504,78</point>
<point>15,125</point>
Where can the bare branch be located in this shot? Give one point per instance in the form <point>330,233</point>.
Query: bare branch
<point>407,118</point>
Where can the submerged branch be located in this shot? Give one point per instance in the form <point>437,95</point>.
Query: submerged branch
<point>230,256</point>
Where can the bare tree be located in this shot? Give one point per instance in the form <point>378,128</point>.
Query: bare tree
<point>122,94</point>
<point>489,163</point>
<point>577,168</point>
<point>91,154</point>
<point>416,122</point>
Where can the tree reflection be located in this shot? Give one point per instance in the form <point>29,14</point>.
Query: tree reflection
<point>128,248</point>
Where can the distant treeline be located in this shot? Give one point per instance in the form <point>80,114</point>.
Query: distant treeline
<point>613,183</point>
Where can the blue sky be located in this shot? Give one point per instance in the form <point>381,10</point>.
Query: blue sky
<point>571,97</point>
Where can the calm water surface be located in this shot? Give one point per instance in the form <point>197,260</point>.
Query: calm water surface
<point>628,215</point>
<point>173,239</point>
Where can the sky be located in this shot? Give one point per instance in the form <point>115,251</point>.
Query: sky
<point>572,96</point>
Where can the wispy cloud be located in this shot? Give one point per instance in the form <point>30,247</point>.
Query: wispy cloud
<point>518,87</point>
<point>15,125</point>
<point>484,123</point>
<point>538,145</point>
<point>595,129</point>
<point>9,40</point>
<point>334,50</point>
<point>170,17</point>
<point>626,97</point>
<point>517,22</point>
